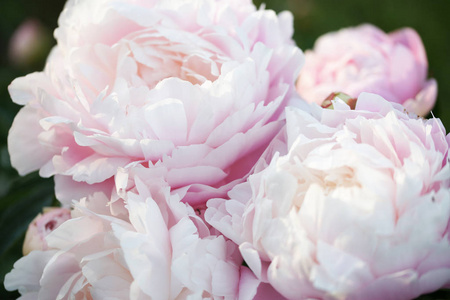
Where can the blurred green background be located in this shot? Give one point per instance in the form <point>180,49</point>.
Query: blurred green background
<point>21,198</point>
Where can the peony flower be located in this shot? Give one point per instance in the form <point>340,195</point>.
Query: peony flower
<point>195,89</point>
<point>365,59</point>
<point>357,206</point>
<point>161,250</point>
<point>41,226</point>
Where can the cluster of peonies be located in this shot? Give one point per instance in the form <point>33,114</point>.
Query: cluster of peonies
<point>193,170</point>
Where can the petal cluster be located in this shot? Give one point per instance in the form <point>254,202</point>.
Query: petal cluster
<point>365,59</point>
<point>160,250</point>
<point>170,251</point>
<point>196,89</point>
<point>358,207</point>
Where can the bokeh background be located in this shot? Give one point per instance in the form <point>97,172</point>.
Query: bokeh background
<point>21,198</point>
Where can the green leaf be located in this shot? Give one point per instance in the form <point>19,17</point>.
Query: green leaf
<point>439,295</point>
<point>25,199</point>
<point>18,208</point>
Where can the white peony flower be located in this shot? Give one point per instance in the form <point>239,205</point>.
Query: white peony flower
<point>195,88</point>
<point>357,208</point>
<point>160,250</point>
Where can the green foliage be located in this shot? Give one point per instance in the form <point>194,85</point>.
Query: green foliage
<point>22,199</point>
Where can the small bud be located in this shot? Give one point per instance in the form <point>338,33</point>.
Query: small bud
<point>42,226</point>
<point>29,44</point>
<point>328,102</point>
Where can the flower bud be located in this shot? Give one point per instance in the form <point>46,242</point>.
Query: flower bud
<point>29,44</point>
<point>327,103</point>
<point>42,226</point>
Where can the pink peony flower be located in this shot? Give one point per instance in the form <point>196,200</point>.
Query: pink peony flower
<point>365,59</point>
<point>43,225</point>
<point>161,250</point>
<point>195,89</point>
<point>357,208</point>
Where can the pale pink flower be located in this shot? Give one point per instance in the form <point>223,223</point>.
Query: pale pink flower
<point>357,208</point>
<point>161,250</point>
<point>83,259</point>
<point>195,88</point>
<point>41,226</point>
<point>365,59</point>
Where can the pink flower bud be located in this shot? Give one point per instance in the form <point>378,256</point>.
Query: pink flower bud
<point>42,226</point>
<point>29,44</point>
<point>328,103</point>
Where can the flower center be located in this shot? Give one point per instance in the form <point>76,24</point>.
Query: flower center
<point>158,58</point>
